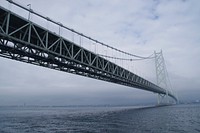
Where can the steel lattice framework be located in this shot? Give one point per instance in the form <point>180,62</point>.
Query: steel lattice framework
<point>23,40</point>
<point>161,75</point>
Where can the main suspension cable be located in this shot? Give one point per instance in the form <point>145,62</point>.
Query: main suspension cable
<point>73,31</point>
<point>128,59</point>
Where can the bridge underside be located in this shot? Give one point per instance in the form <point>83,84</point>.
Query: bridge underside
<point>28,42</point>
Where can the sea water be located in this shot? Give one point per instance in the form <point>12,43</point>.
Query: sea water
<point>166,119</point>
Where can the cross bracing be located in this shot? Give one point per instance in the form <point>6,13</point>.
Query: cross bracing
<point>23,40</point>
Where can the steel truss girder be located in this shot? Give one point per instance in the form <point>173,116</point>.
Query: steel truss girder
<point>28,42</point>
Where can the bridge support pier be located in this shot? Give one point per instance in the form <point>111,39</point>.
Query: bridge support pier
<point>163,99</point>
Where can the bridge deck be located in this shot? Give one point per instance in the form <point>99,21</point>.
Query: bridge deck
<point>26,41</point>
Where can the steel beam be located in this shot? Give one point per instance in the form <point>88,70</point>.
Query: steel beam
<point>28,42</point>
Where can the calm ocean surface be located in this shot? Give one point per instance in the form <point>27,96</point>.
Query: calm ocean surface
<point>168,119</point>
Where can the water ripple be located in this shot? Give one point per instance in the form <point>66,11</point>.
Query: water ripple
<point>170,119</point>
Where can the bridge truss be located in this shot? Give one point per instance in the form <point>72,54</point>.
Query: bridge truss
<point>23,40</point>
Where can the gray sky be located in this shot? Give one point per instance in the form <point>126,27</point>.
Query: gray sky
<point>135,26</point>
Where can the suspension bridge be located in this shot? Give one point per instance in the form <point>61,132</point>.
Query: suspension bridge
<point>62,48</point>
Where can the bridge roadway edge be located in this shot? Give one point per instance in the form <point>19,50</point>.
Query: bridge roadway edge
<point>79,66</point>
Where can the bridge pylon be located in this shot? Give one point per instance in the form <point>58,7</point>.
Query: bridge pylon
<point>24,40</point>
<point>161,78</point>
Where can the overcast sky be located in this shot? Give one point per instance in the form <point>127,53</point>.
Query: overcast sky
<point>135,26</point>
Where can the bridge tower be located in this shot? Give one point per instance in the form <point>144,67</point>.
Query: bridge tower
<point>161,77</point>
